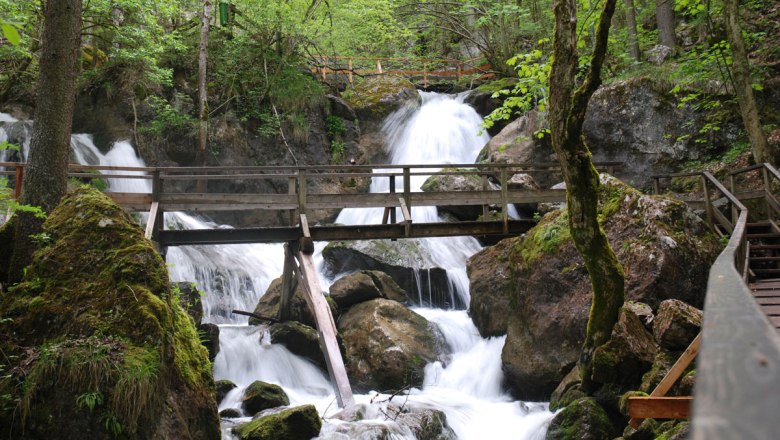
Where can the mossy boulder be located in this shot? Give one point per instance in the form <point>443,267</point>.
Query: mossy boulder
<point>209,337</point>
<point>676,324</point>
<point>261,395</point>
<point>101,343</point>
<point>375,98</point>
<point>387,345</point>
<point>583,419</point>
<point>223,387</point>
<point>491,288</point>
<point>268,305</point>
<point>628,353</point>
<point>363,286</point>
<point>664,248</point>
<point>405,261</point>
<point>300,339</point>
<point>298,423</point>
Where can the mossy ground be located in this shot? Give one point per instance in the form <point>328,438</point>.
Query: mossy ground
<point>94,322</point>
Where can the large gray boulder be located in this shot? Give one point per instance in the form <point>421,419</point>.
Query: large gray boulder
<point>268,305</point>
<point>490,284</point>
<point>677,324</point>
<point>405,261</point>
<point>629,352</point>
<point>454,183</point>
<point>363,286</point>
<point>638,122</point>
<point>666,252</point>
<point>387,345</point>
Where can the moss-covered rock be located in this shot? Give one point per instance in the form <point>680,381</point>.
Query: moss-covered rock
<point>666,252</point>
<point>103,347</point>
<point>300,339</point>
<point>387,345</point>
<point>583,419</point>
<point>298,423</point>
<point>261,395</point>
<point>375,98</point>
<point>223,387</point>
<point>676,324</point>
<point>628,353</point>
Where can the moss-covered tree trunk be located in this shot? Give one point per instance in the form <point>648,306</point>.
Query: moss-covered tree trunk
<point>203,106</point>
<point>567,114</point>
<point>46,175</point>
<point>744,88</point>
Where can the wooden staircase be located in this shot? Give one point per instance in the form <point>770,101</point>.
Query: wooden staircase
<point>764,263</point>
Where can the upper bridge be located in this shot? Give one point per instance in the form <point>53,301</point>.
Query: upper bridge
<point>291,193</point>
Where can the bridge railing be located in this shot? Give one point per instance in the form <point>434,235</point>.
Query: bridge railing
<point>737,390</point>
<point>423,70</point>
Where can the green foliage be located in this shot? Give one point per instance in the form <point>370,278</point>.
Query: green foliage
<point>168,119</point>
<point>337,150</point>
<point>334,126</point>
<point>90,400</point>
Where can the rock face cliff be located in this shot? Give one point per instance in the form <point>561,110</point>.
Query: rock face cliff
<point>98,343</point>
<point>665,250</point>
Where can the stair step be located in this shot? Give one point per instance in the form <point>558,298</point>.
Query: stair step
<point>762,258</point>
<point>763,235</point>
<point>764,247</point>
<point>766,271</point>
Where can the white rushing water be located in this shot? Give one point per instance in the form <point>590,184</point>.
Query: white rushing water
<point>468,388</point>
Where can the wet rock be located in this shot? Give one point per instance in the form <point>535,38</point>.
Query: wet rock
<point>567,391</point>
<point>397,422</point>
<point>210,339</point>
<point>230,413</point>
<point>662,363</point>
<point>427,424</point>
<point>583,419</point>
<point>387,345</point>
<point>453,183</point>
<point>524,182</point>
<point>223,388</point>
<point>268,305</point>
<point>490,284</point>
<point>484,103</point>
<point>407,263</point>
<point>300,339</point>
<point>298,423</point>
<point>552,292</point>
<point>677,324</point>
<point>263,395</point>
<point>628,353</point>
<point>340,108</point>
<point>363,286</point>
<point>643,311</point>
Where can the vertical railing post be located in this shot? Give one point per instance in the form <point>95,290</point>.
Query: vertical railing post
<point>657,185</point>
<point>425,75</point>
<point>707,202</point>
<point>460,70</point>
<point>301,191</point>
<point>734,211</point>
<point>504,200</point>
<point>767,190</point>
<point>19,179</point>
<point>379,67</point>
<point>408,189</point>
<point>392,191</point>
<point>485,209</point>
<point>291,190</point>
<point>156,186</point>
<point>349,71</point>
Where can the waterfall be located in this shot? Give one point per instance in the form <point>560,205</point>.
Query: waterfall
<point>467,389</point>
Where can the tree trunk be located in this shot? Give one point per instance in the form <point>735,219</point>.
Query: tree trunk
<point>743,87</point>
<point>633,36</point>
<point>203,105</point>
<point>664,15</point>
<point>566,116</point>
<point>46,176</point>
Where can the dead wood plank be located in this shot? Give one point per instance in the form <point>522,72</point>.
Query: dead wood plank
<point>326,328</point>
<point>659,407</point>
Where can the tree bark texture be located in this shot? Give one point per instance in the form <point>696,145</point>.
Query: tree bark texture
<point>45,178</point>
<point>740,69</point>
<point>633,36</point>
<point>566,115</point>
<point>664,15</point>
<point>203,106</point>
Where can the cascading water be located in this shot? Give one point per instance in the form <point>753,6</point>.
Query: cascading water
<point>468,388</point>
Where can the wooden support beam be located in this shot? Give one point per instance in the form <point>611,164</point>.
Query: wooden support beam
<point>326,328</point>
<point>407,217</point>
<point>152,220</point>
<point>672,375</point>
<point>305,244</point>
<point>650,407</point>
<point>288,282</point>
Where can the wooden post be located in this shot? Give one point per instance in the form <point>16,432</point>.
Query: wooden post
<point>460,70</point>
<point>379,67</point>
<point>767,189</point>
<point>19,179</point>
<point>291,190</point>
<point>707,203</point>
<point>407,188</point>
<point>326,328</point>
<point>504,198</point>
<point>392,190</point>
<point>288,287</point>
<point>734,210</point>
<point>151,221</point>
<point>657,185</point>
<point>484,188</point>
<point>301,191</point>
<point>425,76</point>
<point>349,72</point>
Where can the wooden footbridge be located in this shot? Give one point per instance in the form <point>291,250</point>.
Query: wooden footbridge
<point>737,391</point>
